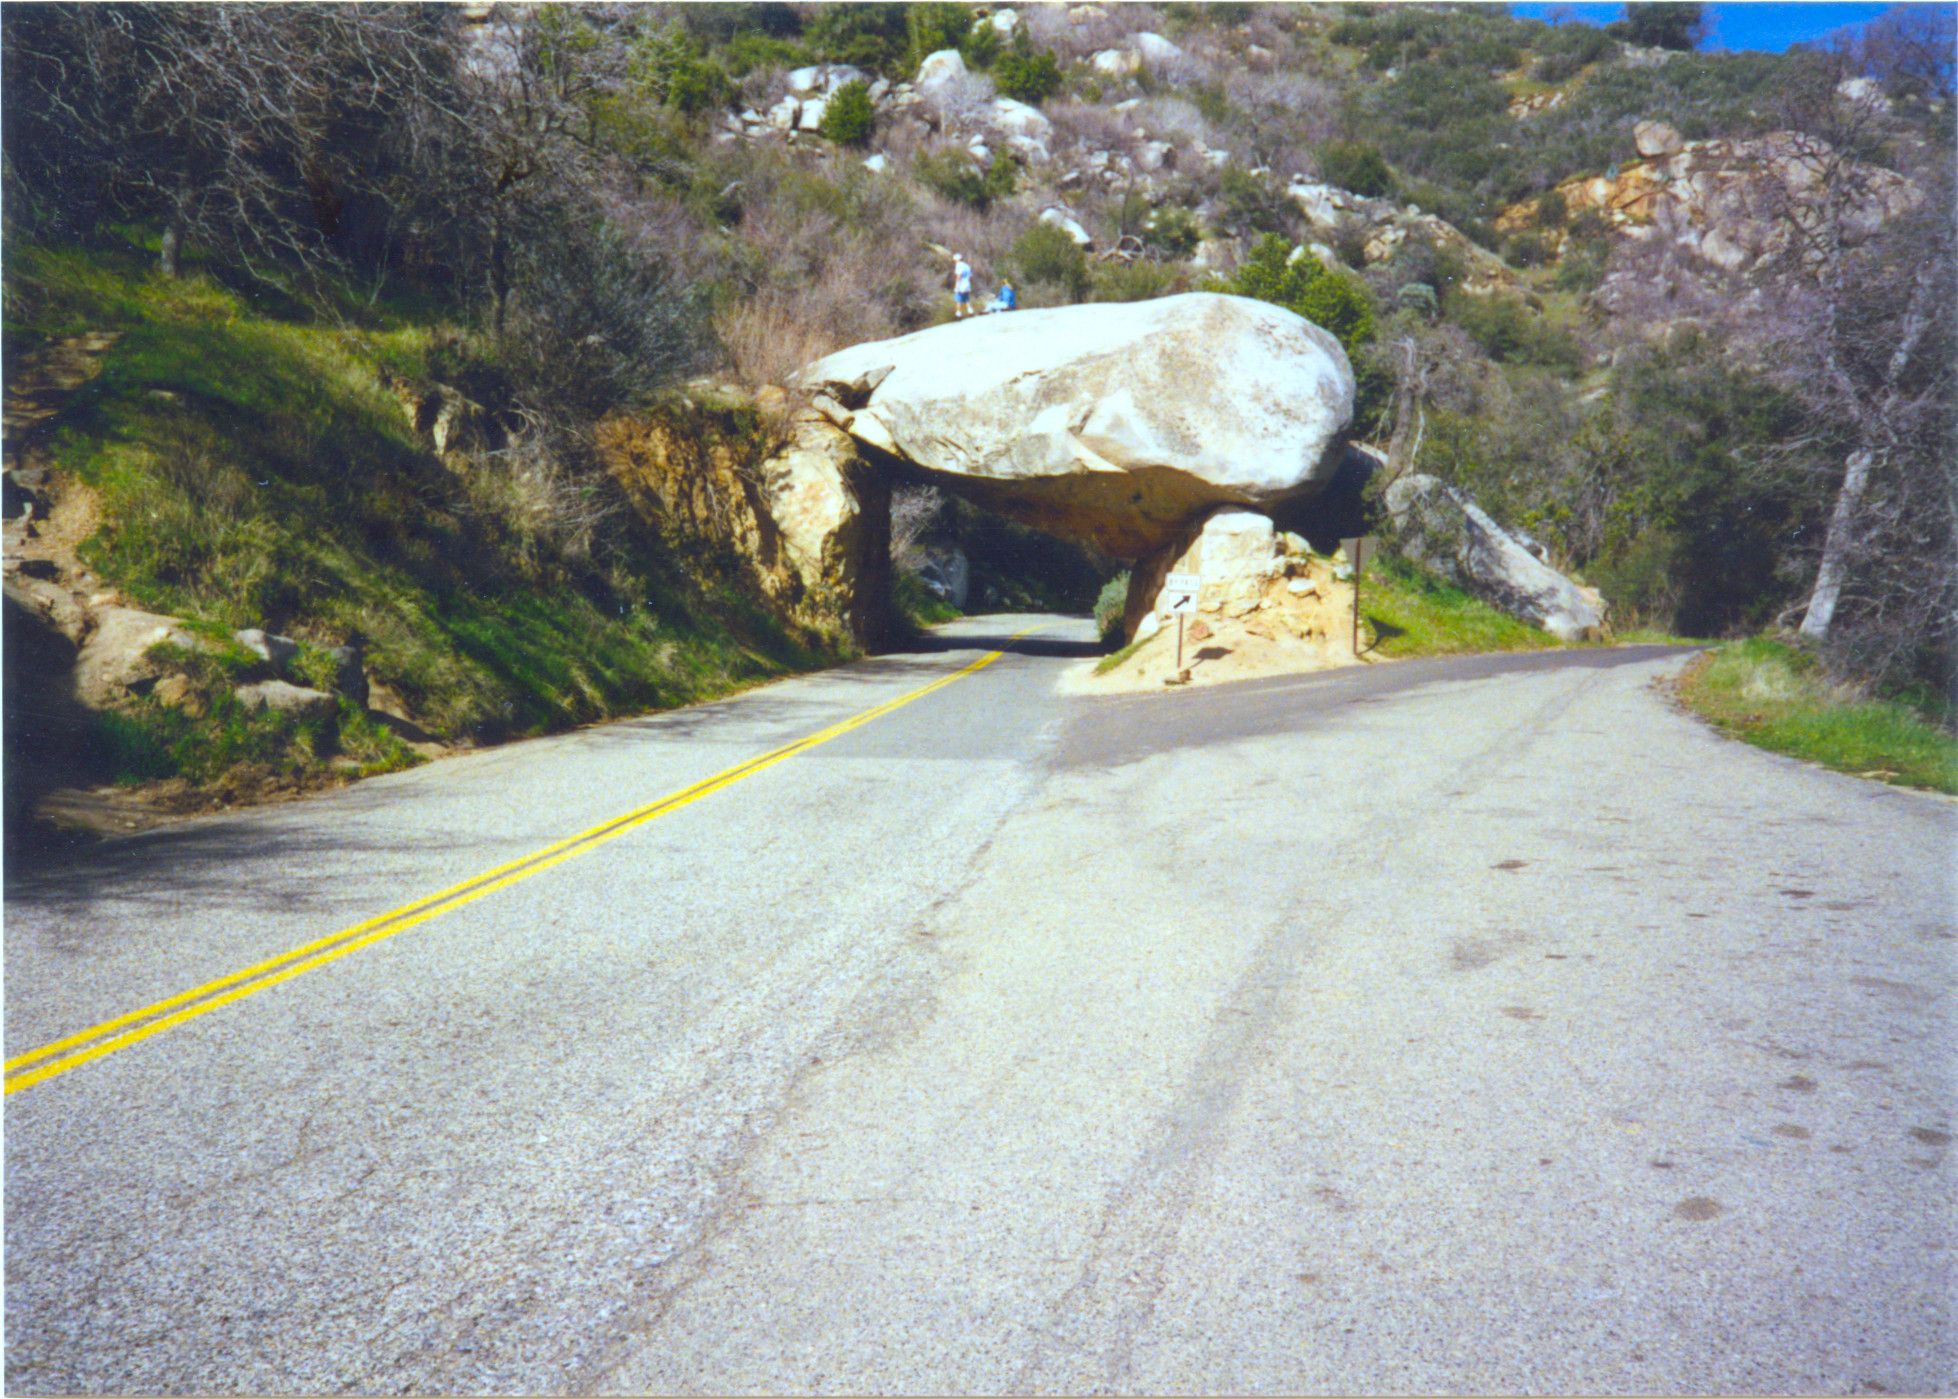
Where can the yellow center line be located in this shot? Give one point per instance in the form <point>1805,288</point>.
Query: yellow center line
<point>72,1051</point>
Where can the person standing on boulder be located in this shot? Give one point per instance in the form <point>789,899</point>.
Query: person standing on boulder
<point>961,286</point>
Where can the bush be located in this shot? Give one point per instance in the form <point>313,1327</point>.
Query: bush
<point>1357,166</point>
<point>595,319</point>
<point>1026,74</point>
<point>959,178</point>
<point>1253,202</point>
<point>1351,245</point>
<point>1551,210</point>
<point>1132,281</point>
<point>1590,226</point>
<point>1046,255</point>
<point>873,36</point>
<point>1337,302</point>
<point>932,25</point>
<point>849,114</point>
<point>1526,249</point>
<point>749,50</point>
<point>1508,330</point>
<point>1109,606</point>
<point>1419,298</point>
<point>1172,232</point>
<point>1665,26</point>
<point>1583,266</point>
<point>673,71</point>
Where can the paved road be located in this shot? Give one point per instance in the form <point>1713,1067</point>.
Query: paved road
<point>1454,1026</point>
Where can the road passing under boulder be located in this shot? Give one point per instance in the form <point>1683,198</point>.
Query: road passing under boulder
<point>1109,424</point>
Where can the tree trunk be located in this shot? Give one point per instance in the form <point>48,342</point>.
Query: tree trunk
<point>173,239</point>
<point>1835,548</point>
<point>1410,421</point>
<point>499,276</point>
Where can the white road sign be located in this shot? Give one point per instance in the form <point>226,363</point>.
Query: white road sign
<point>1180,592</point>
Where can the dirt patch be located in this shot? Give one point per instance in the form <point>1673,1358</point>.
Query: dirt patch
<point>1285,631</point>
<point>117,811</point>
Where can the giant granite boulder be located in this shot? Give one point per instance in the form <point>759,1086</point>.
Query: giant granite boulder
<point>1110,424</point>
<point>1443,530</point>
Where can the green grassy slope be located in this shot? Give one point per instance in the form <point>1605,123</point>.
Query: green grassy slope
<point>253,469</point>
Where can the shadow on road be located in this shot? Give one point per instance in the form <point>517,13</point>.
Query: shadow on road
<point>1057,648</point>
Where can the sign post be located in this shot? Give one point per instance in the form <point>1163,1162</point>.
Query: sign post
<point>1356,550</point>
<point>1180,597</point>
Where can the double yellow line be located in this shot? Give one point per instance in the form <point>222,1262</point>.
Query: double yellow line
<point>72,1051</point>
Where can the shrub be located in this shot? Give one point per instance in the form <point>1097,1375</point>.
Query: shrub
<point>1132,281</point>
<point>1046,255</point>
<point>1419,298</point>
<point>981,46</point>
<point>750,50</point>
<point>673,71</point>
<point>1508,330</point>
<point>1253,202</point>
<point>1172,232</point>
<point>1526,249</point>
<point>1337,302</point>
<point>596,319</point>
<point>1357,166</point>
<point>1666,26</point>
<point>870,36</point>
<point>1027,74</point>
<point>1351,245</point>
<point>1551,211</point>
<point>1110,604</point>
<point>1583,266</point>
<point>849,114</point>
<point>959,178</point>
<point>1590,226</point>
<point>933,25</point>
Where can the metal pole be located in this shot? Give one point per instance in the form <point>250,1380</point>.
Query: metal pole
<point>1359,553</point>
<point>1179,643</point>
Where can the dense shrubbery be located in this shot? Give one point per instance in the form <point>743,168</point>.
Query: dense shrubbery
<point>1334,301</point>
<point>1443,117</point>
<point>873,35</point>
<point>1172,231</point>
<point>849,115</point>
<point>1047,256</point>
<point>1356,166</point>
<point>1025,73</point>
<point>957,176</point>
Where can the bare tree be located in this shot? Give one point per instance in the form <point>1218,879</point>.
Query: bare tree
<point>1857,324</point>
<point>248,128</point>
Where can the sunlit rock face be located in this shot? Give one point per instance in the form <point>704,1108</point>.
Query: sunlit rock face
<point>1111,424</point>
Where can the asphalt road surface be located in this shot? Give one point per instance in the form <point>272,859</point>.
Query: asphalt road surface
<point>1456,1025</point>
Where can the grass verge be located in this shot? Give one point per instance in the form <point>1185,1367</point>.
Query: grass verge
<point>1774,696</point>
<point>1410,612</point>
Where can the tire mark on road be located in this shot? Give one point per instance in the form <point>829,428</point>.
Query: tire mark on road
<point>1090,1332</point>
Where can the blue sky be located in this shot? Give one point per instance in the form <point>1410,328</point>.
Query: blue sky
<point>1740,26</point>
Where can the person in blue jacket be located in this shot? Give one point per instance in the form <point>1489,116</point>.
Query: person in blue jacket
<point>1003,299</point>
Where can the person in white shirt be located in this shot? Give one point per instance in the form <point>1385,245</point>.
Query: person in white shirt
<point>961,286</point>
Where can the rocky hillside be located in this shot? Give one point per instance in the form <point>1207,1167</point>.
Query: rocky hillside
<point>471,415</point>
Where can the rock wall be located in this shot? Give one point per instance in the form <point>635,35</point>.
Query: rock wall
<point>795,508</point>
<point>1728,201</point>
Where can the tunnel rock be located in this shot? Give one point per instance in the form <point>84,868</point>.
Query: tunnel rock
<point>1111,424</point>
